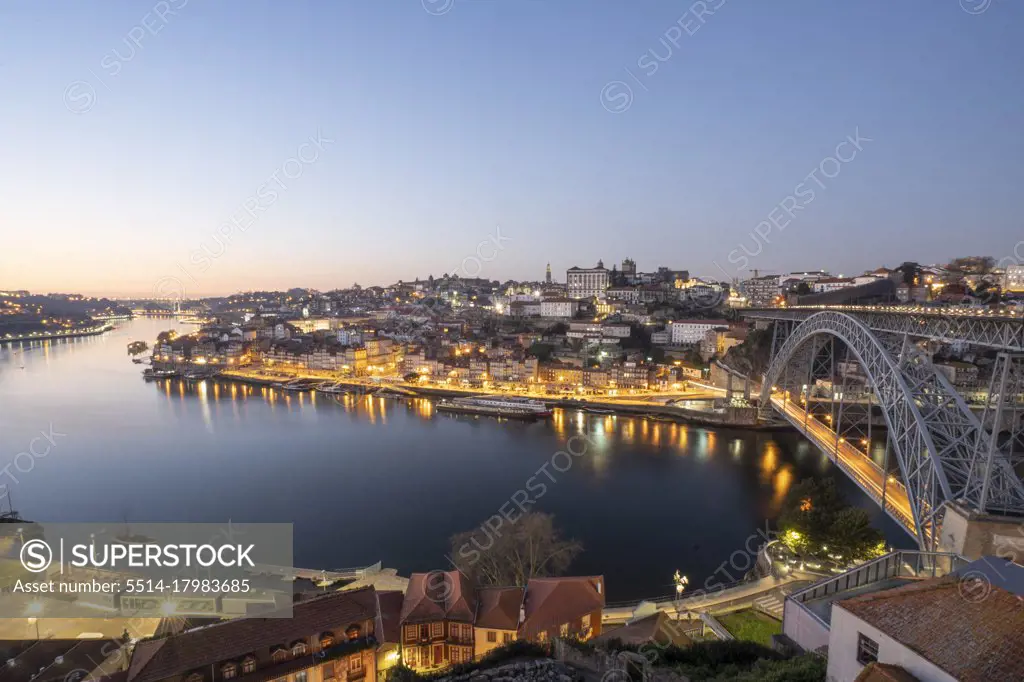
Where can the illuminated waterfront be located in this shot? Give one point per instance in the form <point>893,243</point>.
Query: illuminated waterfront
<point>368,478</point>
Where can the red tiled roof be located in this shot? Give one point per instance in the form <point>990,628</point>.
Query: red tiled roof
<point>499,607</point>
<point>156,659</point>
<point>390,615</point>
<point>552,601</point>
<point>973,640</point>
<point>438,595</point>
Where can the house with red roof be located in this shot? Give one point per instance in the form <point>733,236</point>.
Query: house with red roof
<point>437,620</point>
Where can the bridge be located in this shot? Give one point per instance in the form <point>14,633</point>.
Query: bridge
<point>935,451</point>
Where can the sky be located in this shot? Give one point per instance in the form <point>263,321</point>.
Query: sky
<point>201,148</point>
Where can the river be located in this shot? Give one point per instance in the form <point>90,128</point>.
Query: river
<point>373,479</point>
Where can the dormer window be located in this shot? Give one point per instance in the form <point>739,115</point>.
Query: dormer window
<point>299,648</point>
<point>353,632</point>
<point>248,665</point>
<point>229,671</point>
<point>278,655</point>
<point>194,677</point>
<point>326,640</point>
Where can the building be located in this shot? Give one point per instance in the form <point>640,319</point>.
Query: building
<point>562,607</point>
<point>936,630</point>
<point>761,292</point>
<point>497,618</point>
<point>684,332</point>
<point>437,620</point>
<point>1013,279</point>
<point>562,308</point>
<point>330,637</point>
<point>827,284</point>
<point>926,616</point>
<point>587,282</point>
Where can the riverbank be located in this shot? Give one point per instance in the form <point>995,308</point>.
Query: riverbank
<point>50,336</point>
<point>735,417</point>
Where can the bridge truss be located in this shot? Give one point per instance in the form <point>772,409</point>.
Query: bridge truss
<point>939,448</point>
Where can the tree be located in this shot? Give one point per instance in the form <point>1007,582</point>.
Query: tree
<point>972,265</point>
<point>816,521</point>
<point>511,554</point>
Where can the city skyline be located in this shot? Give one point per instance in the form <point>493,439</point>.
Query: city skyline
<point>364,146</point>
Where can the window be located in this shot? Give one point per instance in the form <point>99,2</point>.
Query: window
<point>437,629</point>
<point>299,649</point>
<point>279,655</point>
<point>585,621</point>
<point>454,630</point>
<point>248,665</point>
<point>467,633</point>
<point>228,671</point>
<point>327,671</point>
<point>410,633</point>
<point>355,663</point>
<point>506,637</point>
<point>326,640</point>
<point>353,631</point>
<point>542,636</point>
<point>194,677</point>
<point>563,630</point>
<point>492,636</point>
<point>867,649</point>
<point>424,631</point>
<point>300,676</point>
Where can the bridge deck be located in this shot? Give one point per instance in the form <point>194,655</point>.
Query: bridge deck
<point>858,466</point>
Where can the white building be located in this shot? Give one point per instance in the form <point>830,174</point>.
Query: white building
<point>932,616</point>
<point>826,284</point>
<point>686,332</point>
<point>563,308</point>
<point>1013,280</point>
<point>587,282</point>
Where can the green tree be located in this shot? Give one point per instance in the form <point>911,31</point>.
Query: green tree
<point>816,521</point>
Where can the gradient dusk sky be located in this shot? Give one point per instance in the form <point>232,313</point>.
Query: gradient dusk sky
<point>131,135</point>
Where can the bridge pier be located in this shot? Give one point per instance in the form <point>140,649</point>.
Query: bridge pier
<point>974,534</point>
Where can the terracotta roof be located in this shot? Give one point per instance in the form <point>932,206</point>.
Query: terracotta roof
<point>883,672</point>
<point>156,659</point>
<point>390,615</point>
<point>438,595</point>
<point>971,638</point>
<point>552,601</point>
<point>499,607</point>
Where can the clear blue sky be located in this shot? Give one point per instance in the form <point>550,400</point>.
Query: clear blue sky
<point>489,114</point>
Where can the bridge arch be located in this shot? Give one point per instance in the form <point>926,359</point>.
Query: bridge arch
<point>933,434</point>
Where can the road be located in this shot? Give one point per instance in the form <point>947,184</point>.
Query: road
<point>868,475</point>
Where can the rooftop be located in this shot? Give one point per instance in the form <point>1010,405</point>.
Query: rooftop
<point>972,635</point>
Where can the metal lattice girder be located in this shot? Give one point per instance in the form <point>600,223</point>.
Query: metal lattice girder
<point>975,327</point>
<point>933,433</point>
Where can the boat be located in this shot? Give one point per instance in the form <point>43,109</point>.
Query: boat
<point>496,406</point>
<point>152,373</point>
<point>597,410</point>
<point>335,387</point>
<point>296,384</point>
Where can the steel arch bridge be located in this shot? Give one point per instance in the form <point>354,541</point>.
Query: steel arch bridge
<point>943,451</point>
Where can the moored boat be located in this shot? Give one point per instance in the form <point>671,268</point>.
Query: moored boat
<point>496,406</point>
<point>153,373</point>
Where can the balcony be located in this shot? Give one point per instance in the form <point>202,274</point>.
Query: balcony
<point>808,613</point>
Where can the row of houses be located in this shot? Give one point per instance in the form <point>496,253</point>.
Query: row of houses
<point>353,635</point>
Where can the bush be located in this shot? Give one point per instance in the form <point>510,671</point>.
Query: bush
<point>516,649</point>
